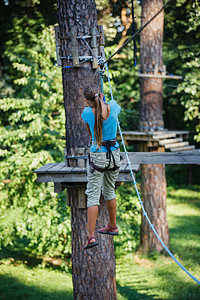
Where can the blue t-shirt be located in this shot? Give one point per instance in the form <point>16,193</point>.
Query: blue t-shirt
<point>109,129</point>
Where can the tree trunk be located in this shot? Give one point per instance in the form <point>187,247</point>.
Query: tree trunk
<point>153,185</point>
<point>93,271</point>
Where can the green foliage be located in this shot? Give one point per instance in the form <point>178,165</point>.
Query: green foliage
<point>128,219</point>
<point>189,91</point>
<point>31,134</point>
<point>125,87</point>
<point>181,55</point>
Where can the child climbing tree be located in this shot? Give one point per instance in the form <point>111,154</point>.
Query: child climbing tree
<point>93,271</point>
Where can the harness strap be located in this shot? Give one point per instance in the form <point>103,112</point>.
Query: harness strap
<point>108,144</point>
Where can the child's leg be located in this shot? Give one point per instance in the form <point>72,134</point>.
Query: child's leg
<point>92,216</point>
<point>112,207</point>
<point>109,180</point>
<point>93,193</point>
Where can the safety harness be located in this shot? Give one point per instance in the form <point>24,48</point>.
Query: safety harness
<point>108,144</point>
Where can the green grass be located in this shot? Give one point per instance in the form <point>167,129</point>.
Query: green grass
<point>138,276</point>
<point>18,281</point>
<point>157,276</point>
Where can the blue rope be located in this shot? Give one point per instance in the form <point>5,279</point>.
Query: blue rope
<point>138,194</point>
<point>72,66</point>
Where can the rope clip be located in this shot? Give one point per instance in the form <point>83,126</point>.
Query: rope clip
<point>101,65</point>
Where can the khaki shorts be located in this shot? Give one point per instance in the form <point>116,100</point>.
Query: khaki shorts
<point>101,181</point>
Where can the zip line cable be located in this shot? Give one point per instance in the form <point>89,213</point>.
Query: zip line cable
<point>138,32</point>
<point>138,194</point>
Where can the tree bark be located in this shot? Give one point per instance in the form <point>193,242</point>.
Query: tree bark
<point>153,184</point>
<point>93,271</point>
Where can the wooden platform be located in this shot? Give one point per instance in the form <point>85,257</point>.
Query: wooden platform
<point>169,139</point>
<point>57,173</point>
<point>168,158</point>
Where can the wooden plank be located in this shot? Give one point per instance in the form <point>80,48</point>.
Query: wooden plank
<point>186,148</point>
<point>74,45</point>
<point>82,198</point>
<point>78,170</point>
<point>126,169</point>
<point>160,76</point>
<point>58,45</point>
<point>124,177</point>
<point>70,178</point>
<point>136,138</point>
<point>45,168</point>
<point>163,136</point>
<point>135,133</point>
<point>79,175</point>
<point>177,145</point>
<point>66,170</point>
<point>170,141</point>
<point>150,136</point>
<point>180,131</point>
<point>163,132</point>
<point>183,157</point>
<point>56,168</point>
<point>94,47</point>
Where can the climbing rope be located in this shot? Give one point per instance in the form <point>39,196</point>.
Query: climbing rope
<point>138,194</point>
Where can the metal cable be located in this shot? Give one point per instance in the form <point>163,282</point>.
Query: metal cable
<point>90,48</point>
<point>141,28</point>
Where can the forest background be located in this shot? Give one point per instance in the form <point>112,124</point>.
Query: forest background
<point>32,121</point>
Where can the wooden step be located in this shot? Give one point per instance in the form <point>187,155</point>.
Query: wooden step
<point>186,148</point>
<point>163,136</point>
<point>170,141</point>
<point>176,145</point>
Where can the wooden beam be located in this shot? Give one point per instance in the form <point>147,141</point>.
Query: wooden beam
<point>94,47</point>
<point>168,158</point>
<point>58,45</point>
<point>74,45</point>
<point>160,76</point>
<point>44,168</point>
<point>76,175</point>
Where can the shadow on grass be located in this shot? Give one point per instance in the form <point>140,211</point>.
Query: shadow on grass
<point>132,293</point>
<point>192,199</point>
<point>185,237</point>
<point>176,287</point>
<point>20,255</point>
<point>13,289</point>
<point>186,224</point>
<point>31,261</point>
